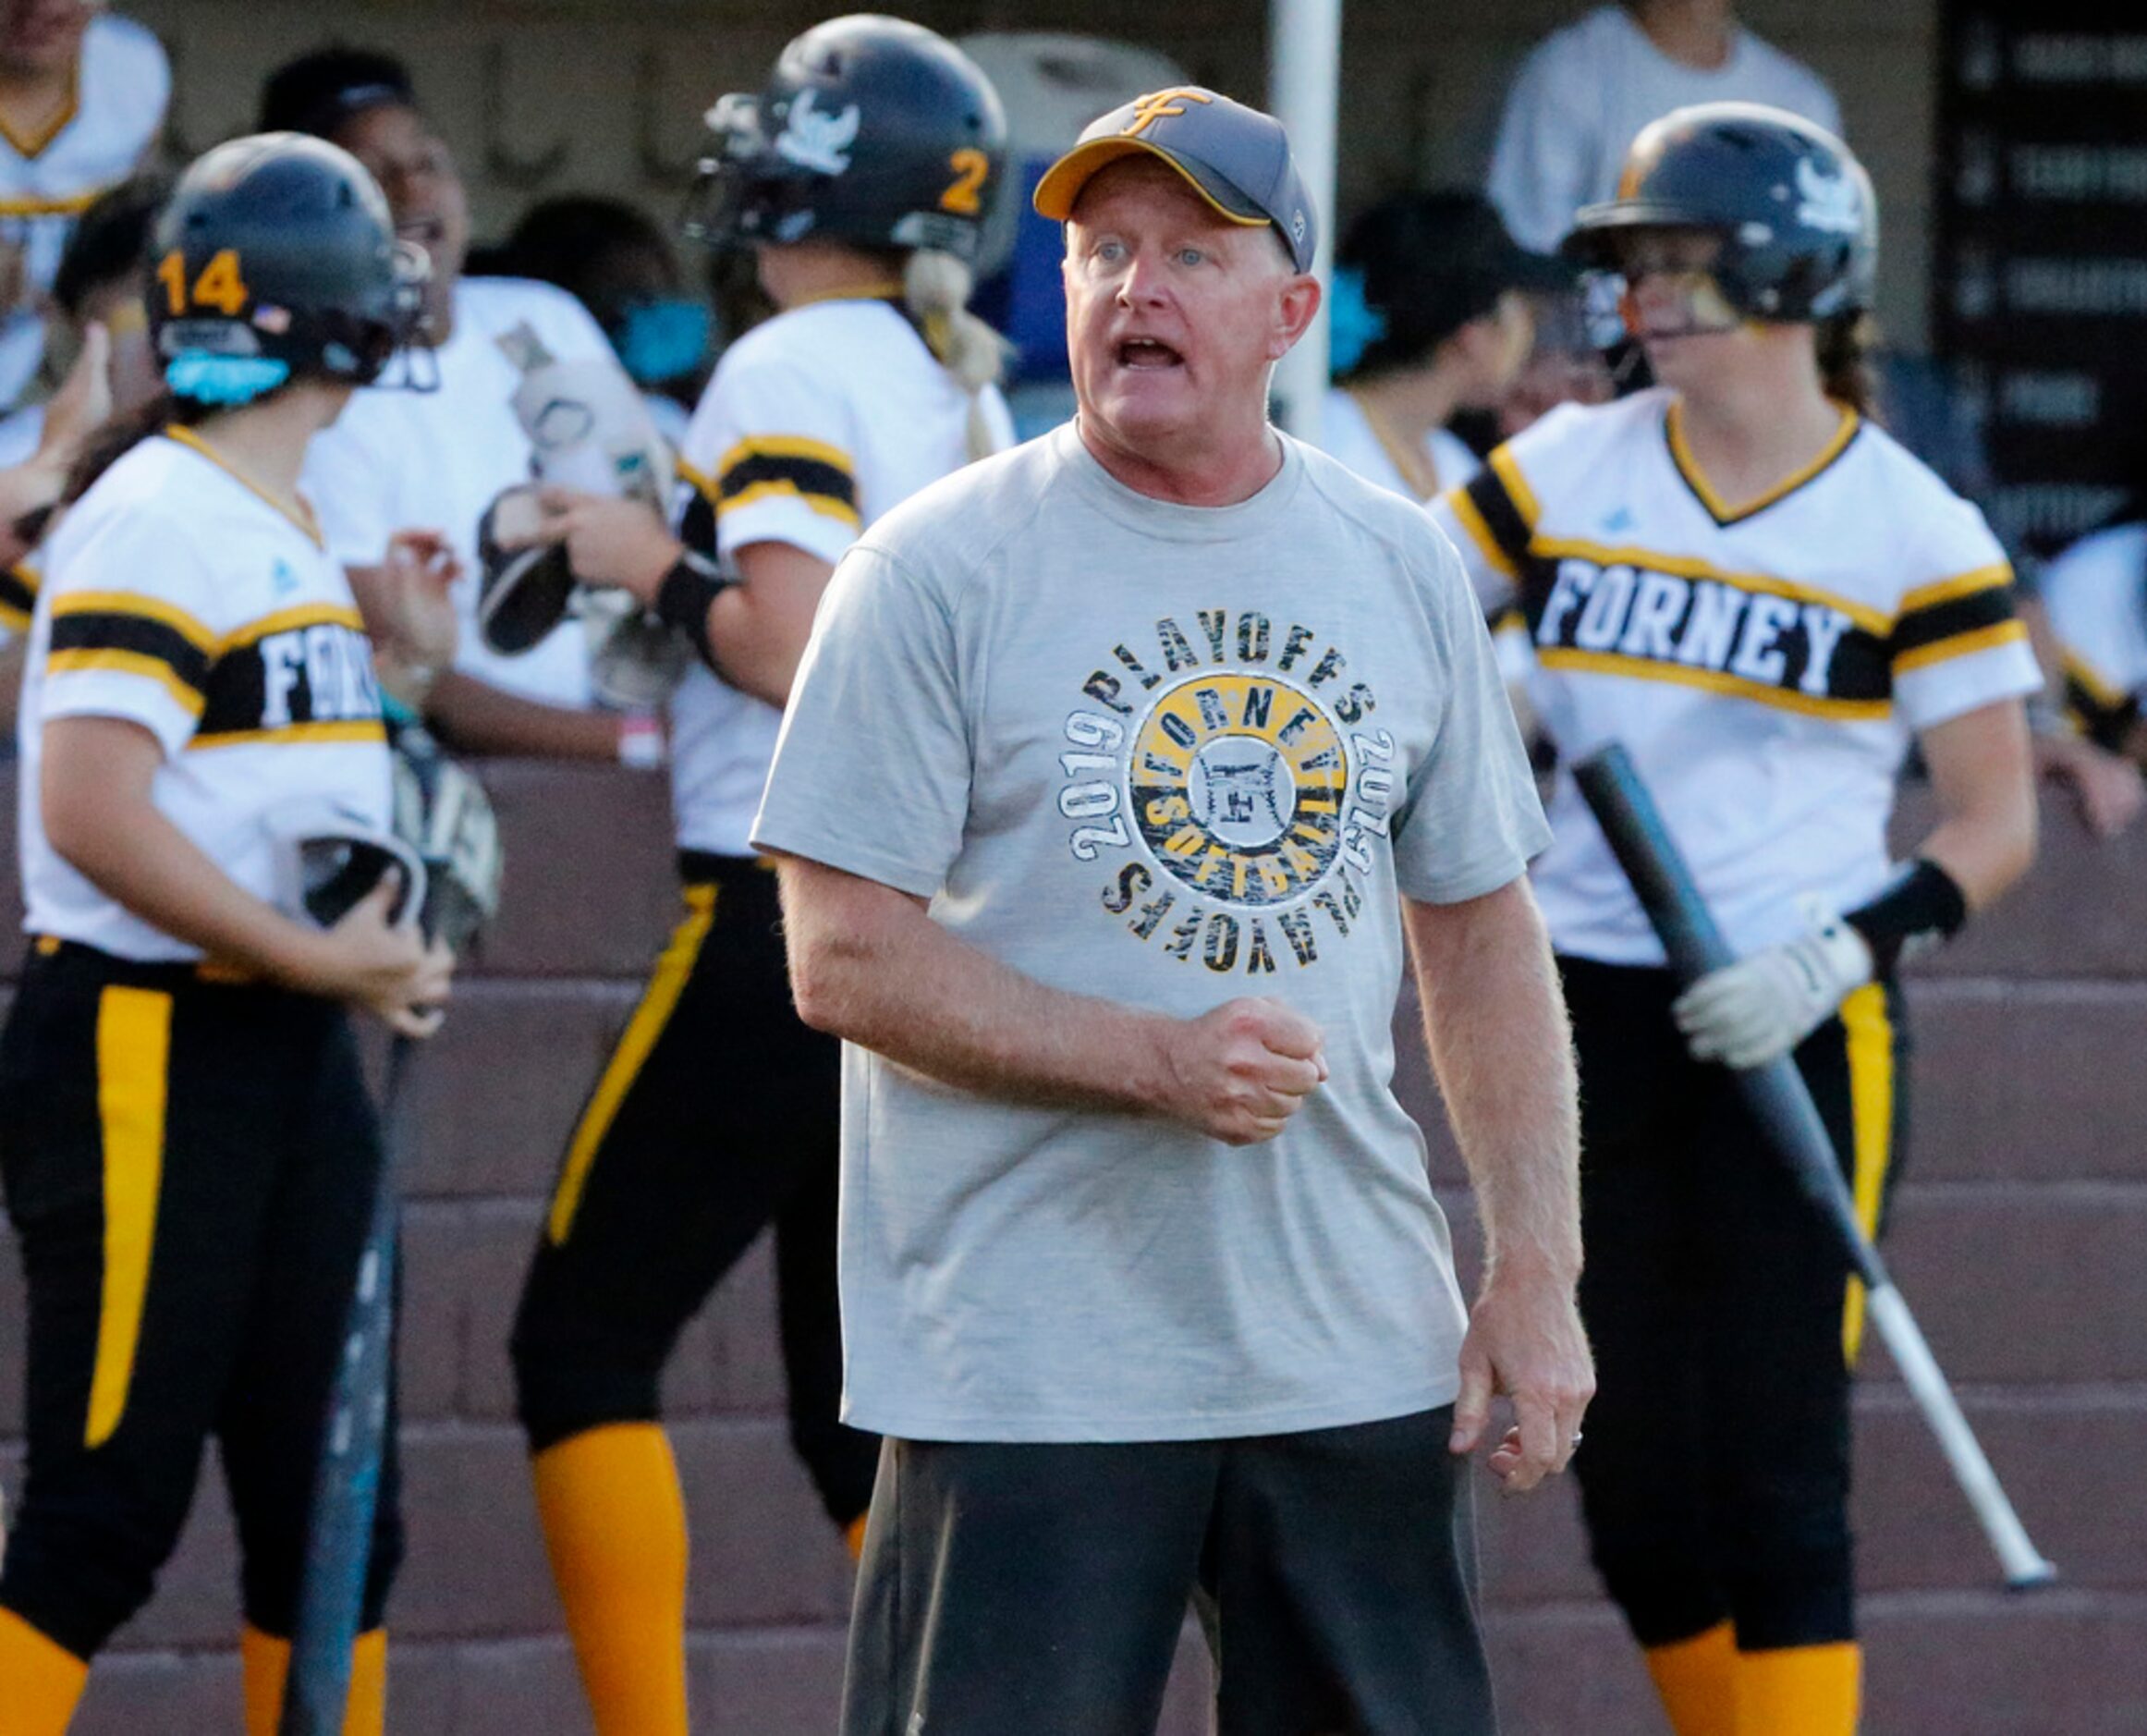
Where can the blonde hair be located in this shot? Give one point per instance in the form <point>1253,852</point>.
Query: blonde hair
<point>935,288</point>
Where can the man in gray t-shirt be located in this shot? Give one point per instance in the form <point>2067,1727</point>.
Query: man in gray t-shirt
<point>1115,770</point>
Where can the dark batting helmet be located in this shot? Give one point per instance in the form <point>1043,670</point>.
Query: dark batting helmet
<point>1799,222</point>
<point>872,131</point>
<point>275,258</point>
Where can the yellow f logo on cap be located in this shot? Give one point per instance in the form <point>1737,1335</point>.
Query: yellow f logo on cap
<point>1157,105</point>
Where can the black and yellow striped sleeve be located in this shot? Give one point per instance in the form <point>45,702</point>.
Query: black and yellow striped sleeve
<point>1956,617</point>
<point>2106,715</point>
<point>123,632</point>
<point>17,596</point>
<point>762,466</point>
<point>1498,509</point>
<point>694,507</point>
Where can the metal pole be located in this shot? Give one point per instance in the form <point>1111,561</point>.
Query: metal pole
<point>1304,57</point>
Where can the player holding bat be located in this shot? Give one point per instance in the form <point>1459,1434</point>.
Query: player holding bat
<point>1767,600</point>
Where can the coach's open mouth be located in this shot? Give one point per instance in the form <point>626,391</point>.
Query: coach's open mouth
<point>1148,352</point>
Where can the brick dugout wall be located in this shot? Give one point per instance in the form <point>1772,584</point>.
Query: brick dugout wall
<point>2021,1237</point>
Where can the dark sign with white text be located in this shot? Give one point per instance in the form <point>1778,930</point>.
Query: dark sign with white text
<point>2039,279</point>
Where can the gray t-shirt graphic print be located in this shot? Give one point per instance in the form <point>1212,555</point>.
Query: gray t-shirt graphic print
<point>1167,756</point>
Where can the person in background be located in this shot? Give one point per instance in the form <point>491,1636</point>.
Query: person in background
<point>718,1114</point>
<point>613,261</point>
<point>83,97</point>
<point>1431,317</point>
<point>100,282</point>
<point>2090,621</point>
<point>438,459</point>
<point>109,371</point>
<point>1585,91</point>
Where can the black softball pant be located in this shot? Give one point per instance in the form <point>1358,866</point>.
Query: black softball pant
<point>189,1166</point>
<point>718,1114</point>
<point>1715,1473</point>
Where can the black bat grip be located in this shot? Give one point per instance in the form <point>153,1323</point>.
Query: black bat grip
<point>1775,1094</point>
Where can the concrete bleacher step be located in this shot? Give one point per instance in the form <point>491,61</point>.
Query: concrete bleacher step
<point>2019,1221</point>
<point>1974,1664</point>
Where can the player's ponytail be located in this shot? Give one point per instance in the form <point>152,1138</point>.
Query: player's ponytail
<point>1845,343</point>
<point>935,288</point>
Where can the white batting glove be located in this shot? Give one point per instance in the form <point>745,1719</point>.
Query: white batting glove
<point>1750,1013</point>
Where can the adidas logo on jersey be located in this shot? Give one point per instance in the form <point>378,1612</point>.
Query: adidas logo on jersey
<point>1706,630</point>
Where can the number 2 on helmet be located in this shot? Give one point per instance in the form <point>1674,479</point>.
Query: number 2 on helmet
<point>962,197</point>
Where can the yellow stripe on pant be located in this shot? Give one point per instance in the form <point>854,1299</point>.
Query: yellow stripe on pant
<point>134,1028</point>
<point>1871,1098</point>
<point>666,984</point>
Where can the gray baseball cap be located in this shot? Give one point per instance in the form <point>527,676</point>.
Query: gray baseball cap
<point>1236,158</point>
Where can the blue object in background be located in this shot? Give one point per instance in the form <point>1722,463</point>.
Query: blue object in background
<point>1025,300</point>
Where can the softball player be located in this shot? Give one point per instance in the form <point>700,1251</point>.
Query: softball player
<point>860,179</point>
<point>83,97</point>
<point>1429,317</point>
<point>1766,599</point>
<point>2095,598</point>
<point>188,1147</point>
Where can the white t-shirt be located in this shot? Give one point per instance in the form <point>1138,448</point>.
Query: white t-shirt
<point>1765,663</point>
<point>397,459</point>
<point>1347,433</point>
<point>815,423</point>
<point>1165,755</point>
<point>178,598</point>
<point>2095,598</point>
<point>122,83</point>
<point>1583,94</point>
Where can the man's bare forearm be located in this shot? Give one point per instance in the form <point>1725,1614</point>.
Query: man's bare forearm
<point>1496,1023</point>
<point>868,964</point>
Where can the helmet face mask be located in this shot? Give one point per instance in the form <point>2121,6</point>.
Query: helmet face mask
<point>739,192</point>
<point>1679,268</point>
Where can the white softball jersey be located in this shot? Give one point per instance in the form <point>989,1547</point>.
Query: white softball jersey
<point>1766,663</point>
<point>122,84</point>
<point>1348,435</point>
<point>815,425</point>
<point>2095,598</point>
<point>178,597</point>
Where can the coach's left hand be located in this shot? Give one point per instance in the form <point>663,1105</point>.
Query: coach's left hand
<point>1525,1339</point>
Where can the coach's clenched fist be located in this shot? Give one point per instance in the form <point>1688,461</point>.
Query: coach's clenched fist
<point>1240,1072</point>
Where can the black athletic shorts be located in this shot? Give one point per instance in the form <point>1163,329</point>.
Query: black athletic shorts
<point>1041,1588</point>
<point>191,1167</point>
